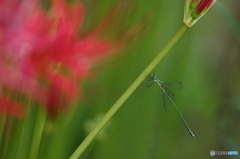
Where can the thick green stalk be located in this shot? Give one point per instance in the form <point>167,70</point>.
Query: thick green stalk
<point>37,134</point>
<point>25,133</point>
<point>5,145</point>
<point>2,125</point>
<point>86,142</point>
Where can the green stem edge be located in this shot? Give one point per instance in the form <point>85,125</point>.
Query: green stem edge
<point>87,141</point>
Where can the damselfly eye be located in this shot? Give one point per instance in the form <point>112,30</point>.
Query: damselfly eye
<point>154,76</point>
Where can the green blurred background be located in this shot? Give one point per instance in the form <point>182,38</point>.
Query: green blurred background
<point>206,60</point>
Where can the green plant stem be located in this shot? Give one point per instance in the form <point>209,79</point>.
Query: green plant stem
<point>86,142</point>
<point>2,125</point>
<point>23,144</point>
<point>37,134</point>
<point>7,131</point>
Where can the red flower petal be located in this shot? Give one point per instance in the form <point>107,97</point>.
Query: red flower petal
<point>203,4</point>
<point>92,47</point>
<point>64,84</point>
<point>12,108</point>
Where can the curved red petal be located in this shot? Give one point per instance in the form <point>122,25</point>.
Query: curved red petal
<point>12,108</point>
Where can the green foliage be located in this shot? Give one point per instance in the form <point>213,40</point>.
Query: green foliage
<point>205,60</point>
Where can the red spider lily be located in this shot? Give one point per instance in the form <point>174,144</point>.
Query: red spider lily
<point>195,9</point>
<point>41,54</point>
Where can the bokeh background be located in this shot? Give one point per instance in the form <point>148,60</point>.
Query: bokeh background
<point>206,60</point>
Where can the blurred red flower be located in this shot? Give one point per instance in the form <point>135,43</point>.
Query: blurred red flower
<point>12,108</point>
<point>41,54</point>
<point>195,10</point>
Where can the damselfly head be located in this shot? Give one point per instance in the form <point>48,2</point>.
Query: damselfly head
<point>154,76</point>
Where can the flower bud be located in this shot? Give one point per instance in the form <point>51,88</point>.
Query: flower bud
<point>195,9</point>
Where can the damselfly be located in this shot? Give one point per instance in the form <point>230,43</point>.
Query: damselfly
<point>167,92</point>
